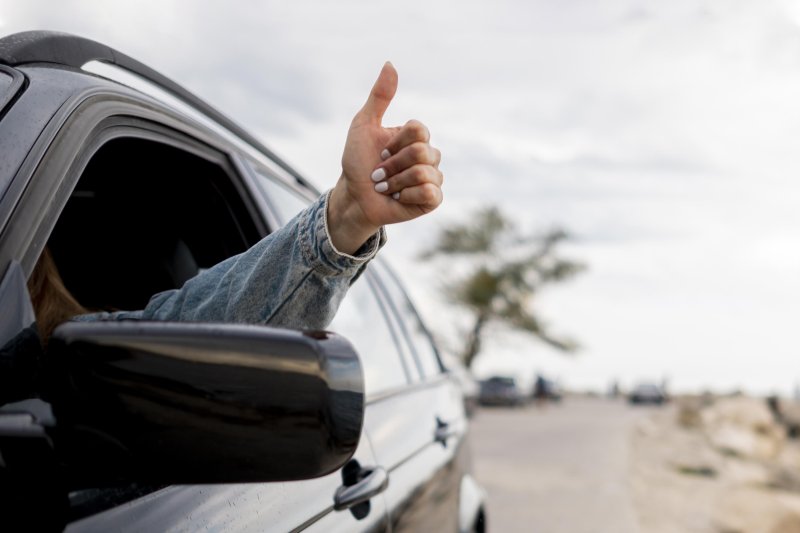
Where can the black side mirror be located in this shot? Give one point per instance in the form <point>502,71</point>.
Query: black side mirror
<point>179,403</point>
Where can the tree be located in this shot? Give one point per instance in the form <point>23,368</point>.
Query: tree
<point>507,270</point>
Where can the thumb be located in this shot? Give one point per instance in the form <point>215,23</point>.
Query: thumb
<point>381,95</point>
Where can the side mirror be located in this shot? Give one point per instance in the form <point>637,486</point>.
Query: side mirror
<point>180,403</point>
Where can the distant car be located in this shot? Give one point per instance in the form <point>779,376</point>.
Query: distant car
<point>553,390</point>
<point>501,390</point>
<point>647,393</point>
<point>545,389</point>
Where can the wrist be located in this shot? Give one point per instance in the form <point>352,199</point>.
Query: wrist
<point>348,228</point>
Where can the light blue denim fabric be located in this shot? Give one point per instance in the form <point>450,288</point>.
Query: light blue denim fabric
<point>293,278</point>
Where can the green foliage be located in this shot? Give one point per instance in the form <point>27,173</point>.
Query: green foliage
<point>508,270</point>
<point>481,236</point>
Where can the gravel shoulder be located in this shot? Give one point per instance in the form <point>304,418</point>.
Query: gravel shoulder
<point>720,467</point>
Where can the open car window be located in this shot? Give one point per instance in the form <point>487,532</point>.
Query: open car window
<point>144,217</point>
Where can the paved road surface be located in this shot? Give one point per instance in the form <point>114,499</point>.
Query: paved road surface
<point>561,468</point>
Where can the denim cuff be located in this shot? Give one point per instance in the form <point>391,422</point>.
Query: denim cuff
<point>319,249</point>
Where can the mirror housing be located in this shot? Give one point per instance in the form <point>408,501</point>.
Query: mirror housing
<point>181,403</point>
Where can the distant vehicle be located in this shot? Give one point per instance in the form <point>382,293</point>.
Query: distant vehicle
<point>501,390</point>
<point>545,389</point>
<point>553,390</point>
<point>647,393</point>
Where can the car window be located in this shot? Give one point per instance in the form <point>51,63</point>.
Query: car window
<point>414,331</point>
<point>284,201</point>
<point>362,321</point>
<point>173,213</point>
<point>176,208</point>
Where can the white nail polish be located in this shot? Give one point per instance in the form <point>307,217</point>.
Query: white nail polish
<point>378,175</point>
<point>386,154</point>
<point>396,196</point>
<point>382,186</point>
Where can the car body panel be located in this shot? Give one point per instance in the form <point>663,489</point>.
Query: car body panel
<point>422,460</point>
<point>256,507</point>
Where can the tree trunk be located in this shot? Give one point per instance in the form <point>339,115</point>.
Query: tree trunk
<point>474,340</point>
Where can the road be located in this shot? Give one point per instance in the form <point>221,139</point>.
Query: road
<point>560,468</point>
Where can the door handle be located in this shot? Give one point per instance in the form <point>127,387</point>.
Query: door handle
<point>443,431</point>
<point>371,482</point>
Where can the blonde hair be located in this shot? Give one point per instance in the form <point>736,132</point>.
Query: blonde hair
<point>52,301</point>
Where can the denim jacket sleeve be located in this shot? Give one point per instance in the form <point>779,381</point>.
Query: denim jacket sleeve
<point>294,278</point>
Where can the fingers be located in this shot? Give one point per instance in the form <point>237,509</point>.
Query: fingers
<point>427,196</point>
<point>411,177</point>
<point>413,154</point>
<point>413,131</point>
<point>410,162</point>
<point>380,96</point>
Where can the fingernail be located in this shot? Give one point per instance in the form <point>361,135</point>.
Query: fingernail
<point>379,174</point>
<point>396,196</point>
<point>386,154</point>
<point>382,186</point>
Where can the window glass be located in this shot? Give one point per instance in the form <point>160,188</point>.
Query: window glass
<point>417,335</point>
<point>285,202</point>
<point>361,320</point>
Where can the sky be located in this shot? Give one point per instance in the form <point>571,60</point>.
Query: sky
<point>662,135</point>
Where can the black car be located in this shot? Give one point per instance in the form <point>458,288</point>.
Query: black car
<point>134,185</point>
<point>647,393</point>
<point>546,389</point>
<point>501,390</point>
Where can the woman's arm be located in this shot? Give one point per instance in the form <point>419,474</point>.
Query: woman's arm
<point>297,276</point>
<point>294,277</point>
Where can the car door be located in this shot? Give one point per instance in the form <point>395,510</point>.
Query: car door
<point>131,205</point>
<point>418,433</point>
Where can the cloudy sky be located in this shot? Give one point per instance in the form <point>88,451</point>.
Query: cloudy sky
<point>663,135</point>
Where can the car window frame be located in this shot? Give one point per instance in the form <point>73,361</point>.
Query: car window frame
<point>97,119</point>
<point>59,169</point>
<point>387,272</point>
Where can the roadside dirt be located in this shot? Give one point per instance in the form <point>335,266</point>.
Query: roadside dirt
<point>715,466</point>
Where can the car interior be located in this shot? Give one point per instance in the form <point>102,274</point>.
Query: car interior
<point>144,217</point>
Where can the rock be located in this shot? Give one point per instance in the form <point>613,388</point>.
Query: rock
<point>789,523</point>
<point>783,477</point>
<point>786,413</point>
<point>756,511</point>
<point>744,427</point>
<point>689,410</point>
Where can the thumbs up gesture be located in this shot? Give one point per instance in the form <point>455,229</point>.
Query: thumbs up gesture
<point>389,175</point>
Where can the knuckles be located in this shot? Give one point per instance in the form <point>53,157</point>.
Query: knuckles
<point>421,153</point>
<point>437,156</point>
<point>420,173</point>
<point>418,130</point>
<point>430,194</point>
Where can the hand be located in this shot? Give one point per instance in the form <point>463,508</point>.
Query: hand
<point>389,175</point>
